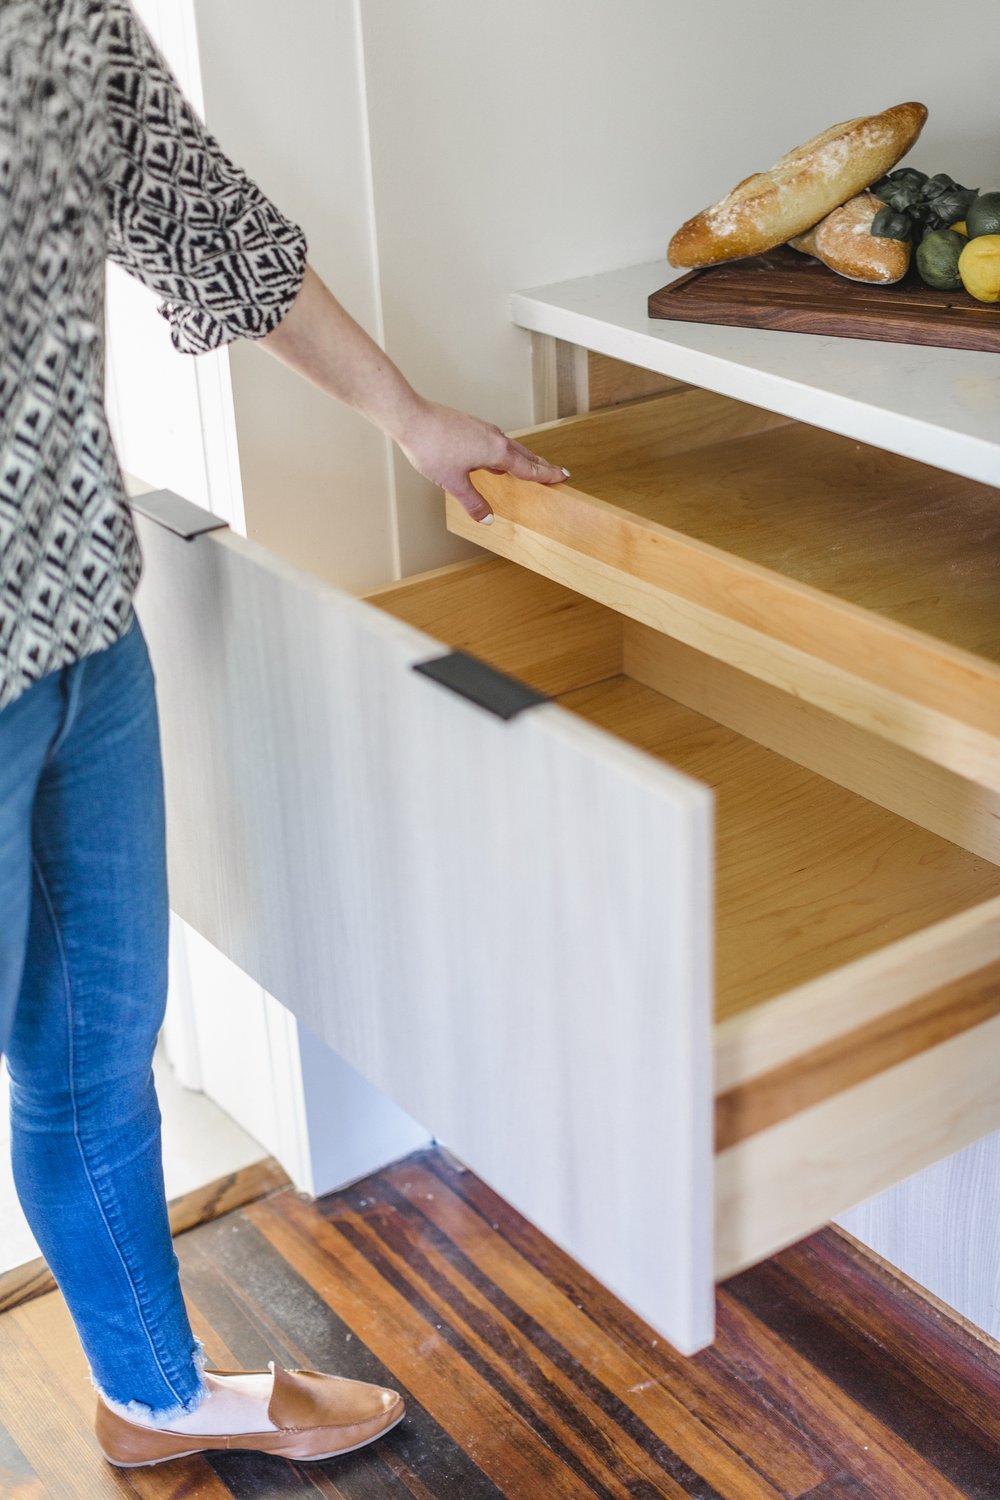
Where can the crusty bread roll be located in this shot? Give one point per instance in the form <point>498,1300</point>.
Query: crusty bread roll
<point>803,187</point>
<point>844,242</point>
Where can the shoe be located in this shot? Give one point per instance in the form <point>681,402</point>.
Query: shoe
<point>317,1416</point>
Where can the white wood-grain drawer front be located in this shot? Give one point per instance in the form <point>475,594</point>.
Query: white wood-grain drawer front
<point>859,581</point>
<point>504,925</point>
<point>509,926</point>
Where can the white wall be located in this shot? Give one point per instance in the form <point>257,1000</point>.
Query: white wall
<point>441,153</point>
<point>535,140</point>
<point>284,94</point>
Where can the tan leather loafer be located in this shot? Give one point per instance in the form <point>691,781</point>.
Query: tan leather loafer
<point>316,1416</point>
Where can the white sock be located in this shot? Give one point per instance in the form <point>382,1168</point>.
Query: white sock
<point>235,1403</point>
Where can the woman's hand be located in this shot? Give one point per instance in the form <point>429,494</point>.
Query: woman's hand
<point>321,341</point>
<point>444,445</point>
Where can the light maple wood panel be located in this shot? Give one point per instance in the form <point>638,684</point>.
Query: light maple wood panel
<point>518,621</point>
<point>865,583</point>
<point>612,381</point>
<point>784,1181</point>
<point>918,545</point>
<point>918,789</point>
<point>809,876</point>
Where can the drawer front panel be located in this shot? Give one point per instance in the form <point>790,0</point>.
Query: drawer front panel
<point>504,925</point>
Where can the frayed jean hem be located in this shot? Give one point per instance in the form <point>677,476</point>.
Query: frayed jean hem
<point>138,1411</point>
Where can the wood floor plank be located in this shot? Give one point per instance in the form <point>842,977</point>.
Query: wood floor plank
<point>523,1377</point>
<point>46,1325</point>
<point>840,1487</point>
<point>955,1369</point>
<point>258,1302</point>
<point>618,1390</point>
<point>868,1450</point>
<point>504,1446</point>
<point>495,1338</point>
<point>906,1389</point>
<point>46,1425</point>
<point>232,1190</point>
<point>18,1480</point>
<point>717,1395</point>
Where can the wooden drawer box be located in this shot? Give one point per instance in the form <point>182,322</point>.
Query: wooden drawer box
<point>853,579</point>
<point>509,925</point>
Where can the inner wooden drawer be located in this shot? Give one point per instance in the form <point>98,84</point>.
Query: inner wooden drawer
<point>858,580</point>
<point>854,947</point>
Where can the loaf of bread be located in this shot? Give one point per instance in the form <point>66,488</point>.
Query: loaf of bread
<point>844,242</point>
<point>803,187</point>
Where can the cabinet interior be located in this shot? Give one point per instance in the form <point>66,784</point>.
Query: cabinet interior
<point>915,544</point>
<point>809,874</point>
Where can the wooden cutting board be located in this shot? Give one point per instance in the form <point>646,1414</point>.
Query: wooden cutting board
<point>795,294</point>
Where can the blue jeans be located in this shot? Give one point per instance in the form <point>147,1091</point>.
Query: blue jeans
<point>83,966</point>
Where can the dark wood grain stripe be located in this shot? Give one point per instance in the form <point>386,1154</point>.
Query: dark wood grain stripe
<point>941,1395</point>
<point>841,1487</point>
<point>264,1310</point>
<point>504,1446</point>
<point>781,1449</point>
<point>506,1327</point>
<point>890,1387</point>
<point>872,1452</point>
<point>20,1283</point>
<point>509,1390</point>
<point>861,1054</point>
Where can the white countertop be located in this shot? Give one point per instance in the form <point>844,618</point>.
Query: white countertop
<point>941,406</point>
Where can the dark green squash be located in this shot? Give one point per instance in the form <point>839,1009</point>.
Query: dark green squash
<point>937,258</point>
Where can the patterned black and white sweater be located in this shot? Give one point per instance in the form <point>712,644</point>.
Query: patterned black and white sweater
<point>101,156</point>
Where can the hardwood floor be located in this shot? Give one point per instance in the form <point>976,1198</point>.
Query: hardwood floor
<point>829,1380</point>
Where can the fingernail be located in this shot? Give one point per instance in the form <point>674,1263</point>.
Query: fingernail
<point>487,520</point>
<point>567,473</point>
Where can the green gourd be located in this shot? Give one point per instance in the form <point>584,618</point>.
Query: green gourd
<point>937,258</point>
<point>983,216</point>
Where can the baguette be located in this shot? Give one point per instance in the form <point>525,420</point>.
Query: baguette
<point>844,242</point>
<point>801,188</point>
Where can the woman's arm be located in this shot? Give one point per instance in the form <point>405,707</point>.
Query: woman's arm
<point>321,341</point>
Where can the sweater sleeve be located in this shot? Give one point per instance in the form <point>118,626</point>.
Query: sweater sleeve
<point>184,219</point>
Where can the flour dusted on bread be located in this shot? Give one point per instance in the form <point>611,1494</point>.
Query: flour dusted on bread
<point>801,188</point>
<point>844,242</point>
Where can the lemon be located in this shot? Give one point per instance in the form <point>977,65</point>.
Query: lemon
<point>979,267</point>
<point>960,228</point>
